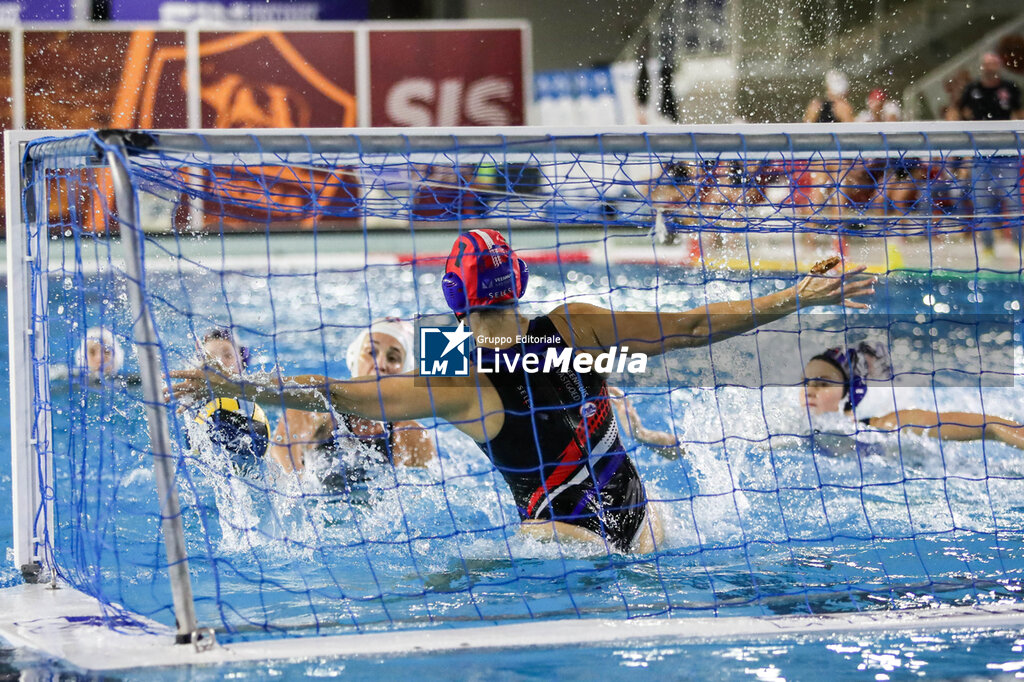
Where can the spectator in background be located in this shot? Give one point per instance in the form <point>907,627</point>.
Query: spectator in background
<point>891,111</point>
<point>994,180</point>
<point>879,109</point>
<point>872,113</point>
<point>826,178</point>
<point>882,186</point>
<point>834,108</point>
<point>991,97</point>
<point>673,196</point>
<point>954,87</point>
<point>675,188</point>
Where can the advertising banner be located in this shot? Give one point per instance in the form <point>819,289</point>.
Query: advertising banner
<point>100,79</point>
<point>122,78</point>
<point>6,112</point>
<point>37,10</point>
<point>464,77</point>
<point>271,79</point>
<point>235,10</point>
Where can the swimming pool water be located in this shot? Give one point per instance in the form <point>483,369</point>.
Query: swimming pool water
<point>756,525</point>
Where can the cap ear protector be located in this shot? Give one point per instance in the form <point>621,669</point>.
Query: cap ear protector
<point>858,389</point>
<point>491,284</point>
<point>454,293</point>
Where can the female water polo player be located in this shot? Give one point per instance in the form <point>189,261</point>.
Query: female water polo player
<point>385,349</point>
<point>100,354</point>
<point>837,381</point>
<point>98,358</point>
<point>237,428</point>
<point>219,346</point>
<point>550,434</point>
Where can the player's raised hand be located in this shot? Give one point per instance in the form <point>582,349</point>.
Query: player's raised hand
<point>825,285</point>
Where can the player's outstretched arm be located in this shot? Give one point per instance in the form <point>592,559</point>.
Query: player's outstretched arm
<point>593,327</point>
<point>389,398</point>
<point>954,426</point>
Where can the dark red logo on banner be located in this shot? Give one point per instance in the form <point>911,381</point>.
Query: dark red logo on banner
<point>278,80</point>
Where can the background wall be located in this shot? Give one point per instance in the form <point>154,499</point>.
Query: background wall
<point>569,34</point>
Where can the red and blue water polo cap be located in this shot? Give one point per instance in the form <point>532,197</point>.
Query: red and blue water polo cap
<point>482,270</point>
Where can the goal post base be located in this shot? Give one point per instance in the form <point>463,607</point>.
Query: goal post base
<point>32,572</point>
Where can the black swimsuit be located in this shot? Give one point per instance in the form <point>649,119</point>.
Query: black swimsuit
<point>342,475</point>
<point>826,114</point>
<point>382,443</point>
<point>559,448</point>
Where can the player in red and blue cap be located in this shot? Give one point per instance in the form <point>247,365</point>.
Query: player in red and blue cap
<point>557,445</point>
<point>482,271</point>
<point>551,434</point>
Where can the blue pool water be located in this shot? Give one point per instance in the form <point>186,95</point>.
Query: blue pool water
<point>760,520</point>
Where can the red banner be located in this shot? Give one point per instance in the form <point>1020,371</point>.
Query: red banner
<point>467,77</point>
<point>99,79</point>
<point>270,79</point>
<point>6,113</point>
<point>6,92</point>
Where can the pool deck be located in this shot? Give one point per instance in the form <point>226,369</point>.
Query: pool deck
<point>69,625</point>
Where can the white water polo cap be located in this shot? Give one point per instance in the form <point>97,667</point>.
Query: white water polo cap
<point>396,328</point>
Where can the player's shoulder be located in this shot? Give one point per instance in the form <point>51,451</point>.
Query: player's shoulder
<point>580,321</point>
<point>578,310</point>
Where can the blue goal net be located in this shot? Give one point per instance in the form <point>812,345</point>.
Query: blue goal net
<point>833,459</point>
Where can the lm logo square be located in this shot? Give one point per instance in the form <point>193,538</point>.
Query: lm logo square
<point>444,351</point>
